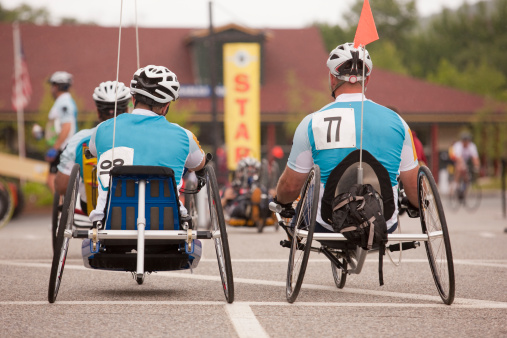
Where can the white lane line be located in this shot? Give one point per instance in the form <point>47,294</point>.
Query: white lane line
<point>473,262</point>
<point>244,321</point>
<point>188,275</point>
<point>487,234</point>
<point>239,310</point>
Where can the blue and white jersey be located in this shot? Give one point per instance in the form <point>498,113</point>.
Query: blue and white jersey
<point>142,138</point>
<point>73,153</point>
<point>64,110</point>
<point>327,136</point>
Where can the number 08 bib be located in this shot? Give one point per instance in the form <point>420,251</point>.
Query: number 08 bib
<point>334,128</point>
<point>122,156</point>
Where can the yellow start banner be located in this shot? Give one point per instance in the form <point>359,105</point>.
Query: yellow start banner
<point>242,101</point>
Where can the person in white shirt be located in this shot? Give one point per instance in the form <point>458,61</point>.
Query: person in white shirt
<point>62,122</point>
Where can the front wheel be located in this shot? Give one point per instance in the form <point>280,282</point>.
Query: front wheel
<point>433,223</point>
<point>473,196</point>
<point>339,275</point>
<point>62,239</point>
<point>219,234</point>
<point>303,220</point>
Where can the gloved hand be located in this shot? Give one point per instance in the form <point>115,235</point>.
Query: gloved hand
<point>51,154</point>
<point>287,209</point>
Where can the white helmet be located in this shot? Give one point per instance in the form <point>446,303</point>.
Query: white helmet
<point>249,162</point>
<point>346,63</point>
<point>61,78</point>
<point>105,96</point>
<point>156,83</point>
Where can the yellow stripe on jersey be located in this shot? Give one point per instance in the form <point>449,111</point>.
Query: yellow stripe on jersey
<point>413,146</point>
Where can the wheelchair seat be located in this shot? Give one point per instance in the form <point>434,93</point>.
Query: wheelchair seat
<point>344,175</point>
<point>161,213</point>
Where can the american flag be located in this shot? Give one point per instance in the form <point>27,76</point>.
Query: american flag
<point>22,88</point>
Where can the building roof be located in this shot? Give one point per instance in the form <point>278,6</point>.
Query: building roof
<point>90,53</point>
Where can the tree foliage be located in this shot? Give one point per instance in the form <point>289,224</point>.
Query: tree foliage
<point>25,13</point>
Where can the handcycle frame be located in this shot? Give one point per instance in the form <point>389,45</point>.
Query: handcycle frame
<point>430,211</point>
<point>68,230</point>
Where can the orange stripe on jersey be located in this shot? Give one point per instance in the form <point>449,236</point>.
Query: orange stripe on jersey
<point>413,146</point>
<point>195,139</point>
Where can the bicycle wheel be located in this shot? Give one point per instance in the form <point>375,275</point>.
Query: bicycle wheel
<point>339,275</point>
<point>190,204</point>
<point>473,196</point>
<point>6,203</point>
<point>62,241</point>
<point>438,248</point>
<point>221,243</point>
<point>55,215</point>
<point>306,214</point>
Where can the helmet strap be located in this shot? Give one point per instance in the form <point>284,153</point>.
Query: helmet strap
<point>336,86</point>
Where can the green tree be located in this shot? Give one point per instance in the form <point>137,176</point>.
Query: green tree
<point>25,13</point>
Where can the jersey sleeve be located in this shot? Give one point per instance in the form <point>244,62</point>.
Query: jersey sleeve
<point>66,112</point>
<point>408,152</point>
<point>300,158</point>
<point>195,153</point>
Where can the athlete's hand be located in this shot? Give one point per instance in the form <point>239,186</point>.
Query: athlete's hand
<point>51,155</point>
<point>287,209</point>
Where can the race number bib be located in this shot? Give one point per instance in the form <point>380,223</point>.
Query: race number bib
<point>122,156</point>
<point>334,128</point>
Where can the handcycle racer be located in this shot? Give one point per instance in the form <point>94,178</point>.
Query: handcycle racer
<point>327,136</point>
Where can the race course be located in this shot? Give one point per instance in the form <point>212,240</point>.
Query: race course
<point>111,304</point>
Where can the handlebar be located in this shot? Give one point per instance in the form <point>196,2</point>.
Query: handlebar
<point>275,207</point>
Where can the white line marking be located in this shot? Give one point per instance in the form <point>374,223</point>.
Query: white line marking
<point>244,321</point>
<point>186,275</point>
<point>487,234</point>
<point>241,305</point>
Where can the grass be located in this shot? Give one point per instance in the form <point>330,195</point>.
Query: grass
<point>37,194</point>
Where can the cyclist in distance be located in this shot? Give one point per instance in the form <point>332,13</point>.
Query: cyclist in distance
<point>464,153</point>
<point>104,96</point>
<point>145,137</point>
<point>385,135</point>
<point>62,123</point>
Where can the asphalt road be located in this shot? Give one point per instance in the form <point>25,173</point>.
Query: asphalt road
<point>111,304</point>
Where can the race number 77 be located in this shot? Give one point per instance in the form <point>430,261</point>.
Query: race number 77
<point>330,120</point>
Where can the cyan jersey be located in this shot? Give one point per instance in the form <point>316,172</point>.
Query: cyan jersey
<point>73,153</point>
<point>141,138</point>
<point>145,138</point>
<point>327,136</point>
<point>64,110</point>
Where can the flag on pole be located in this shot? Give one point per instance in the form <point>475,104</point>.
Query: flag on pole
<point>366,31</point>
<point>22,89</point>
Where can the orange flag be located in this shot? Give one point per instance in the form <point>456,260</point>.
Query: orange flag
<point>366,31</point>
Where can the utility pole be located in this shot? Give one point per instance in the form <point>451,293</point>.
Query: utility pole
<point>212,73</point>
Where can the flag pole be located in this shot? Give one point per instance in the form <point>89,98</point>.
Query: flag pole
<point>360,169</point>
<point>17,88</point>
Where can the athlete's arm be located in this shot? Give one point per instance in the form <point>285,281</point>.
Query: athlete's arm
<point>66,127</point>
<point>61,182</point>
<point>196,158</point>
<point>289,185</point>
<point>409,180</point>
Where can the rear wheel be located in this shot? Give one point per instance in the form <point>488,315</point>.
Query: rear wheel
<point>438,247</point>
<point>304,219</point>
<point>62,239</point>
<point>55,216</point>
<point>6,203</point>
<point>221,241</point>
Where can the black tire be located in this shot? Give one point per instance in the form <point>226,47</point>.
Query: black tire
<point>221,243</point>
<point>260,224</point>
<point>304,219</point>
<point>191,203</point>
<point>339,275</point>
<point>62,242</point>
<point>20,200</point>
<point>455,199</point>
<point>473,196</point>
<point>54,219</point>
<point>6,203</point>
<point>140,280</point>
<point>438,249</point>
